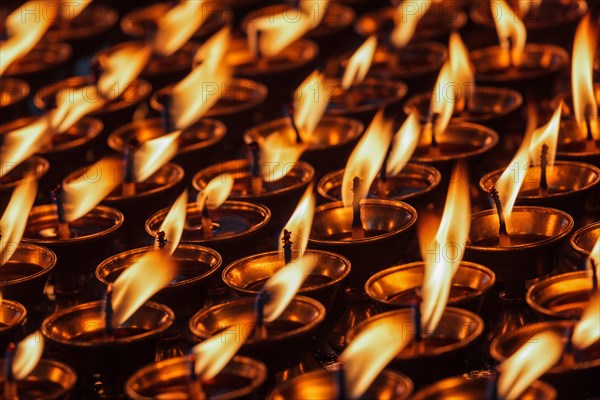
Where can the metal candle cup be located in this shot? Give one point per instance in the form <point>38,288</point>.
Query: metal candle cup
<point>196,265</point>
<point>290,334</point>
<point>12,321</point>
<point>247,275</point>
<point>575,382</point>
<point>280,196</point>
<point>33,166</point>
<point>323,385</point>
<point>24,276</point>
<point>75,335</point>
<point>49,380</point>
<point>395,287</point>
<point>477,388</point>
<point>13,99</point>
<point>241,378</point>
<point>77,256</point>
<point>331,142</point>
<point>456,335</point>
<point>580,246</point>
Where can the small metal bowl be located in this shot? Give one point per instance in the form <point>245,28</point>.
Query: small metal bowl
<point>49,380</point>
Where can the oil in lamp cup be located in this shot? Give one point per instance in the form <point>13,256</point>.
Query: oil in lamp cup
<point>238,108</point>
<point>34,165</point>
<point>570,184</point>
<point>92,236</point>
<point>241,378</point>
<point>115,114</point>
<point>49,380</point>
<point>196,265</point>
<point>12,321</point>
<point>572,144</point>
<point>76,336</point>
<point>199,145</point>
<point>239,228</point>
<point>247,275</point>
<point>13,99</point>
<point>574,382</point>
<point>563,296</point>
<point>416,185</point>
<point>280,196</point>
<point>460,387</point>
<point>323,385</point>
<point>288,337</point>
<point>332,141</point>
<point>24,276</point>
<point>445,349</point>
<point>580,246</point>
<point>395,287</point>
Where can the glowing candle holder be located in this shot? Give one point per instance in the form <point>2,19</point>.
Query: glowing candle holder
<point>77,256</point>
<point>240,379</point>
<point>48,380</point>
<point>580,246</point>
<point>13,99</point>
<point>322,385</point>
<point>12,321</point>
<point>196,265</point>
<point>576,381</point>
<point>36,166</point>
<point>477,388</point>
<point>572,142</point>
<point>76,335</point>
<point>24,276</point>
<point>247,275</point>
<point>395,287</point>
<point>443,350</point>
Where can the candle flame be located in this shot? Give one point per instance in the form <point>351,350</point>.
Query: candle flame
<point>121,67</point>
<point>202,88</point>
<point>284,284</point>
<point>280,30</point>
<point>404,144</point>
<point>139,282</point>
<point>441,104</point>
<point>461,70</point>
<point>310,102</point>
<point>216,192</point>
<point>582,72</point>
<point>531,361</point>
<point>85,192</point>
<point>359,63</point>
<point>279,152</point>
<point>511,32</point>
<point>174,223</point>
<point>155,153</point>
<point>594,257</point>
<point>406,20</point>
<point>443,253</point>
<point>24,30</point>
<point>367,157</point>
<point>14,219</point>
<point>370,351</point>
<point>27,355</point>
<point>73,104</point>
<point>178,25</point>
<point>22,143</point>
<point>71,9</point>
<point>587,330</point>
<point>300,223</point>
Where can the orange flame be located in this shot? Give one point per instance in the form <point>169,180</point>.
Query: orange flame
<point>511,33</point>
<point>404,144</point>
<point>74,104</point>
<point>310,102</point>
<point>367,157</point>
<point>587,330</point>
<point>71,9</point>
<point>14,219</point>
<point>155,153</point>
<point>300,222</point>
<point>406,20</point>
<point>27,355</point>
<point>22,143</point>
<point>25,29</point>
<point>84,193</point>
<point>202,88</point>
<point>441,104</point>
<point>280,153</point>
<point>121,67</point>
<point>359,63</point>
<point>370,351</point>
<point>284,284</point>
<point>178,25</point>
<point>594,257</point>
<point>462,71</point>
<point>139,282</point>
<point>582,72</point>
<point>531,361</point>
<point>216,192</point>
<point>174,223</point>
<point>279,31</point>
<point>449,244</point>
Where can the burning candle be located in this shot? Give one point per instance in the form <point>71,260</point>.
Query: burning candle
<point>581,244</point>
<point>33,166</point>
<point>12,320</point>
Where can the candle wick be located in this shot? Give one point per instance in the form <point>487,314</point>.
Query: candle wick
<point>206,222</point>
<point>259,308</point>
<point>491,387</point>
<point>340,379</point>
<point>594,268</point>
<point>289,112</point>
<point>63,226</point>
<point>108,312</point>
<point>161,239</point>
<point>10,385</point>
<point>543,189</point>
<point>261,60</point>
<point>383,184</point>
<point>417,316</point>
<point>568,354</point>
<point>97,67</point>
<point>511,61</point>
<point>287,246</point>
<point>167,101</point>
<point>257,182</point>
<point>357,228</point>
<point>195,385</point>
<point>590,144</point>
<point>128,189</point>
<point>503,233</point>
